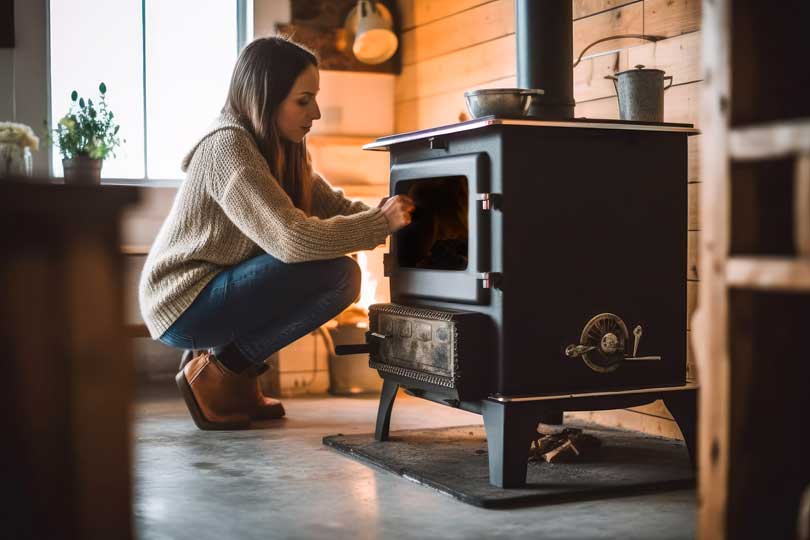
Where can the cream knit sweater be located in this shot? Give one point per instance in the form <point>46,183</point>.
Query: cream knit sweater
<point>230,208</point>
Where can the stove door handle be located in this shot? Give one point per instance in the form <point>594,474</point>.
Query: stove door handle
<point>355,348</point>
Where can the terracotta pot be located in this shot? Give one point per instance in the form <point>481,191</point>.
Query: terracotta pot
<point>82,170</point>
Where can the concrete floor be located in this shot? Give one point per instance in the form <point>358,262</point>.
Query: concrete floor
<point>279,481</point>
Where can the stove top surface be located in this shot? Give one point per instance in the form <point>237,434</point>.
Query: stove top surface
<point>385,143</point>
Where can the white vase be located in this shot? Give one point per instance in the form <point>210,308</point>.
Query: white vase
<point>15,161</point>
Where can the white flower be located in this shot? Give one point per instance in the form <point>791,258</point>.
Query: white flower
<point>19,134</point>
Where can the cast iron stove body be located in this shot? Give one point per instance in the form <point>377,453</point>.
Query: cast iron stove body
<point>544,270</point>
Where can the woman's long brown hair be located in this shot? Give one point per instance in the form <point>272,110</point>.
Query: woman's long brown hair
<point>263,76</point>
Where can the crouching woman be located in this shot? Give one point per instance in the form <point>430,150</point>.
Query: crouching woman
<point>252,255</point>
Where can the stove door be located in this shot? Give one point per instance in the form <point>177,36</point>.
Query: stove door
<point>445,251</point>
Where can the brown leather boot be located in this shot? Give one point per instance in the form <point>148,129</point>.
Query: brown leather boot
<point>213,395</point>
<point>247,397</point>
<point>266,408</point>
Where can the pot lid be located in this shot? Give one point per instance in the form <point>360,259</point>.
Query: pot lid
<point>640,68</point>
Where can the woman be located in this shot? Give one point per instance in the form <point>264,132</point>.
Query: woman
<point>252,254</point>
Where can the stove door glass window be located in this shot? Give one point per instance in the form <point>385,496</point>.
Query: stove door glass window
<point>437,237</point>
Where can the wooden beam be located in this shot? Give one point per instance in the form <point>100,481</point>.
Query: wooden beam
<point>693,158</point>
<point>802,205</point>
<point>693,255</point>
<point>693,220</point>
<point>691,301</point>
<point>768,273</point>
<point>692,375</point>
<point>709,327</point>
<point>770,141</point>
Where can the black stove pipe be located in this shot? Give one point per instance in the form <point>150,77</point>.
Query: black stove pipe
<point>544,36</point>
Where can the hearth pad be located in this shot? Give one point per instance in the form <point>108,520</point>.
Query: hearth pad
<point>454,461</point>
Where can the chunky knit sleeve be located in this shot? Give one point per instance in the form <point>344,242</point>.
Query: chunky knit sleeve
<point>255,202</point>
<point>328,201</point>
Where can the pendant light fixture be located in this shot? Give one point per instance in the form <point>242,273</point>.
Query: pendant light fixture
<point>371,24</point>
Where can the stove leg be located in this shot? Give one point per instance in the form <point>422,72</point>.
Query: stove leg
<point>387,396</point>
<point>509,434</point>
<point>683,408</point>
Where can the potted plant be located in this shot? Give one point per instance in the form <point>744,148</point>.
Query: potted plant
<point>86,135</point>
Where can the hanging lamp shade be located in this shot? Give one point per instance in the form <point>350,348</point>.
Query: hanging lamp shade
<point>372,26</point>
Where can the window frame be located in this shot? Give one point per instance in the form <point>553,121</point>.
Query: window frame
<point>244,33</point>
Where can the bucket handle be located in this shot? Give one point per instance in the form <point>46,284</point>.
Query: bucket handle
<point>616,84</point>
<point>618,36</point>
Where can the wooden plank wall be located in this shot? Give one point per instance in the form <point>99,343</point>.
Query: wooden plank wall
<point>449,46</point>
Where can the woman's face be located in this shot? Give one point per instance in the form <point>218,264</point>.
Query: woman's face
<point>299,109</point>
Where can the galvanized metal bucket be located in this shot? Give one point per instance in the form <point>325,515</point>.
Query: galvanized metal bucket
<point>641,93</point>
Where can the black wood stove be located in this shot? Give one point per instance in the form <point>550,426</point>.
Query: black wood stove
<point>544,269</point>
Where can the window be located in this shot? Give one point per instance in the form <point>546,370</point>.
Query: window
<point>166,66</point>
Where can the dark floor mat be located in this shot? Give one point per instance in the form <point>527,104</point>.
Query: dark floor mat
<point>454,461</point>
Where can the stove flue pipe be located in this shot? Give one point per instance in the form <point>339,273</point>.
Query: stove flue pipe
<point>544,36</point>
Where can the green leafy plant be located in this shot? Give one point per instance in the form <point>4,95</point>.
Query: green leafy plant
<point>88,129</point>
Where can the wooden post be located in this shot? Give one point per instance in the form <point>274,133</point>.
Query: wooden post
<point>802,205</point>
<point>67,365</point>
<point>710,325</point>
<point>753,305</point>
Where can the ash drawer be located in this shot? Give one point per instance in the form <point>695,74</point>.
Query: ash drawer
<point>448,349</point>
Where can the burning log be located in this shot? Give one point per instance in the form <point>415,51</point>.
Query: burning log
<point>568,443</point>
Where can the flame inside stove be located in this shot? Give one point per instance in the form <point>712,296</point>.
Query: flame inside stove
<point>370,263</point>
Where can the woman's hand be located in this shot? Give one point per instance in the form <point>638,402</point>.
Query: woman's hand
<point>397,210</point>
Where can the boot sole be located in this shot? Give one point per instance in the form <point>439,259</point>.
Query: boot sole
<point>273,414</point>
<point>196,414</point>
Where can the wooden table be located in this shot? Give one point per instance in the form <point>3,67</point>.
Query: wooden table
<point>68,370</point>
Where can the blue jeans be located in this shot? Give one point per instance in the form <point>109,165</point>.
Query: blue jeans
<point>263,304</point>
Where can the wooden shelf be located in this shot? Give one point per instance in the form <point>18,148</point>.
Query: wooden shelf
<point>779,139</point>
<point>771,273</point>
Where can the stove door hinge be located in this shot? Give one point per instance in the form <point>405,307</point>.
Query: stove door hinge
<point>489,201</point>
<point>490,280</point>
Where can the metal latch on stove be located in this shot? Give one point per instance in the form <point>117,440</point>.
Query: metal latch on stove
<point>490,280</point>
<point>489,201</point>
<point>388,264</point>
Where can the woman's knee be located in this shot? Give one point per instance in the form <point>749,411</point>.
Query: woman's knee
<point>349,278</point>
